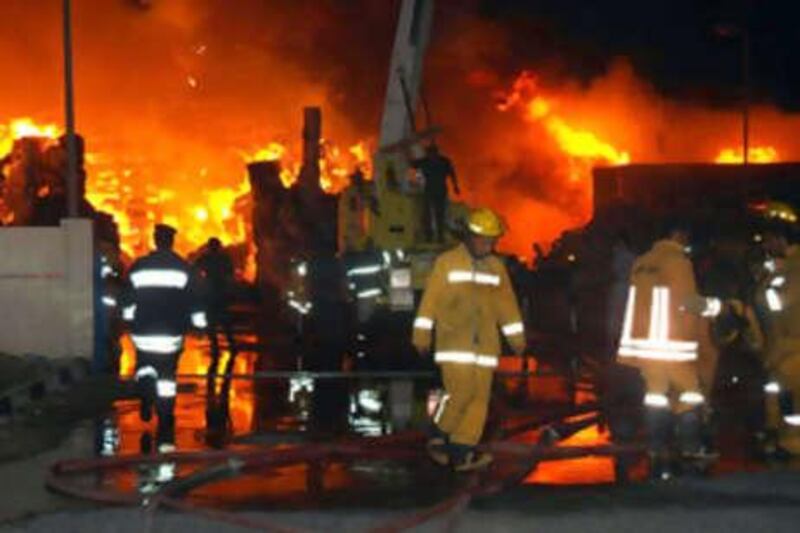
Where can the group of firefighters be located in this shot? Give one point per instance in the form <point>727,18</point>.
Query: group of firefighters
<point>469,302</point>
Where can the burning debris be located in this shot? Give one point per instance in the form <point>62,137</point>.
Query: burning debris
<point>32,166</point>
<point>172,145</point>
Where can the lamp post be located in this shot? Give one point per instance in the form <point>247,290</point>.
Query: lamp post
<point>745,37</point>
<point>743,33</point>
<point>69,111</point>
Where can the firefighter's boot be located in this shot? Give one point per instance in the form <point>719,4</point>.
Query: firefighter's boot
<point>464,458</point>
<point>438,445</point>
<point>473,460</point>
<point>659,423</point>
<point>789,428</point>
<point>695,458</point>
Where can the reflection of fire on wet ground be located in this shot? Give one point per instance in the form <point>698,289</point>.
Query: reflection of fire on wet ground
<point>582,471</point>
<point>191,402</point>
<point>368,415</point>
<point>547,391</point>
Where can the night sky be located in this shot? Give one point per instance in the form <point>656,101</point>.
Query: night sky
<point>688,49</point>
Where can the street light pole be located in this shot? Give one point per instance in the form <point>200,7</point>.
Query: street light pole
<point>69,110</point>
<point>746,96</point>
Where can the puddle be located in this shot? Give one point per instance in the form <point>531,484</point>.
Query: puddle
<point>274,413</point>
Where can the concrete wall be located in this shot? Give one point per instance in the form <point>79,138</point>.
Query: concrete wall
<point>46,292</point>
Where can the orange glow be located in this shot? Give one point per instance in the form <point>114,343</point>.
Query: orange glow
<point>122,188</point>
<point>578,145</point>
<point>584,144</point>
<point>24,127</point>
<point>582,471</point>
<point>335,164</point>
<point>756,154</point>
<point>555,134</point>
<point>572,151</point>
<point>195,360</point>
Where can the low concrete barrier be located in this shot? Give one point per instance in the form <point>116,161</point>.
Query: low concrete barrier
<point>46,290</point>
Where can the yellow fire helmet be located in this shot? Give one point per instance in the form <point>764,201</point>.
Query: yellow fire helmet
<point>486,223</point>
<point>777,211</point>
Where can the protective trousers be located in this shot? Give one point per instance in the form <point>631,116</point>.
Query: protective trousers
<point>671,384</point>
<point>219,322</point>
<point>673,403</point>
<point>155,377</point>
<point>434,215</point>
<point>463,409</point>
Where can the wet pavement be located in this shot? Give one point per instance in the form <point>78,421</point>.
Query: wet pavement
<point>269,416</point>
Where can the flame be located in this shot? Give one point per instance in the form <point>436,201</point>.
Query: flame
<point>571,152</point>
<point>580,146</point>
<point>756,154</point>
<point>558,134</point>
<point>123,187</point>
<point>25,127</point>
<point>274,151</point>
<point>335,164</point>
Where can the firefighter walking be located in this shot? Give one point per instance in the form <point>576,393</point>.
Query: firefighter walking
<point>468,300</point>
<point>160,304</point>
<point>660,335</point>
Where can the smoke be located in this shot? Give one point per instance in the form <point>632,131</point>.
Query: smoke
<point>183,84</point>
<point>518,165</point>
<point>175,91</point>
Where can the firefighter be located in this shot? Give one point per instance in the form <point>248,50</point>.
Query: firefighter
<point>160,303</point>
<point>357,203</point>
<point>436,169</point>
<point>782,295</point>
<point>660,335</point>
<point>328,336</point>
<point>216,268</point>
<point>468,298</point>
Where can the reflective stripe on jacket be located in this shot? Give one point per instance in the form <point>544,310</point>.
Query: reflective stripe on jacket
<point>161,298</point>
<point>467,302</point>
<point>784,286</point>
<point>657,323</point>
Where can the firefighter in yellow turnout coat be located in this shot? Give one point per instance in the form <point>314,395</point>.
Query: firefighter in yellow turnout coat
<point>660,336</point>
<point>467,302</point>
<point>783,352</point>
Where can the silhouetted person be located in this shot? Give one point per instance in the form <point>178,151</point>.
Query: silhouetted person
<point>436,169</point>
<point>216,268</point>
<point>622,258</point>
<point>328,332</point>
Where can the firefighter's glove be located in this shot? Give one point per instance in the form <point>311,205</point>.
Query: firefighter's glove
<point>423,351</point>
<point>735,306</point>
<point>199,320</point>
<point>701,306</point>
<point>422,335</point>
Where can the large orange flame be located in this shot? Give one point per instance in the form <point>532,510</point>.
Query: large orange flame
<point>24,127</point>
<point>580,146</point>
<point>114,186</point>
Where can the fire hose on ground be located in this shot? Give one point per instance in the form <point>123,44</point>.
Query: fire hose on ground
<point>403,446</point>
<point>407,446</point>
